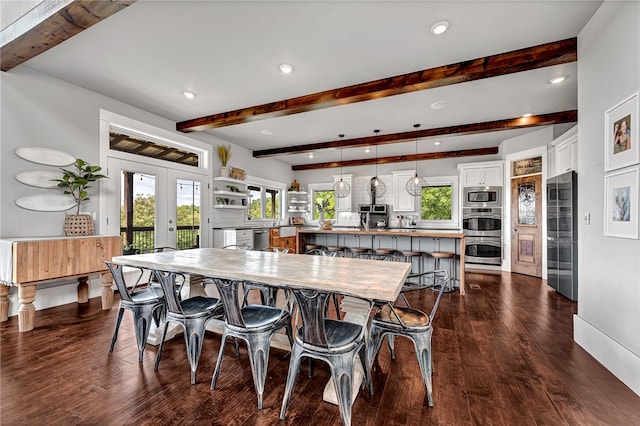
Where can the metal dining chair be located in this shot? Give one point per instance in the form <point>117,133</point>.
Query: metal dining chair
<point>255,324</point>
<point>192,314</point>
<point>335,342</point>
<point>146,304</point>
<point>392,320</point>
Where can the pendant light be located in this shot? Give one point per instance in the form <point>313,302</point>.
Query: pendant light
<point>341,189</point>
<point>415,184</point>
<point>376,187</point>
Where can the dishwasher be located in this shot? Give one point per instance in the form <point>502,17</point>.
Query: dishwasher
<point>260,239</point>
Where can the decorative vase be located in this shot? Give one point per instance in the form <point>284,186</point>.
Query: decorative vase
<point>224,172</point>
<point>78,224</point>
<point>321,218</point>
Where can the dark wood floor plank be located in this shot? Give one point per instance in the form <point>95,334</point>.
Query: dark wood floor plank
<point>503,355</point>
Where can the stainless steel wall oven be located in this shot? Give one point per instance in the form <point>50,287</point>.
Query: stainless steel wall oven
<point>482,223</point>
<point>484,250</point>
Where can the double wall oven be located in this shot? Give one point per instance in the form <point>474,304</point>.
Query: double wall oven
<point>482,224</point>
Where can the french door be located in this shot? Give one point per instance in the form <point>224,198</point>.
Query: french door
<point>152,206</point>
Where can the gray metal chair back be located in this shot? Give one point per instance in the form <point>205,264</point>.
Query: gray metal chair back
<point>146,304</point>
<point>335,342</point>
<point>255,324</point>
<point>192,314</point>
<point>391,321</point>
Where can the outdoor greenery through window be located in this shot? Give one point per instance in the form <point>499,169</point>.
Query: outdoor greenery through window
<point>326,201</point>
<point>437,202</point>
<point>265,203</point>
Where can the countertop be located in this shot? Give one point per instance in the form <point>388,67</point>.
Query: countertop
<point>409,232</point>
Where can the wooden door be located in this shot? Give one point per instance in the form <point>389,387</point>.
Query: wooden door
<point>526,225</point>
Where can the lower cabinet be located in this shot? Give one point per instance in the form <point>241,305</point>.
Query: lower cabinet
<point>275,240</point>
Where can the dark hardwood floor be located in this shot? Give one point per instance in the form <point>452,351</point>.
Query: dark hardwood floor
<point>503,355</point>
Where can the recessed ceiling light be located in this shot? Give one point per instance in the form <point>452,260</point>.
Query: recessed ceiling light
<point>436,143</point>
<point>439,104</point>
<point>189,94</point>
<point>311,155</point>
<point>367,150</point>
<point>528,114</point>
<point>266,132</point>
<point>440,27</point>
<point>286,68</point>
<point>557,80</point>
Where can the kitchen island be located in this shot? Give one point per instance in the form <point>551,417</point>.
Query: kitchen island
<point>425,240</point>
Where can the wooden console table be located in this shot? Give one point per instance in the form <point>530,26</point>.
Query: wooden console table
<point>34,260</point>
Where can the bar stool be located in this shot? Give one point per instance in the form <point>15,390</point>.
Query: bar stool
<point>312,248</point>
<point>359,252</point>
<point>385,254</point>
<point>339,250</point>
<point>437,255</point>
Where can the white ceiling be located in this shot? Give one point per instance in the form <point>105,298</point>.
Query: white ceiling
<point>229,53</point>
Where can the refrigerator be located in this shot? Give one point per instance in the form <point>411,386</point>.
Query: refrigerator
<point>562,234</point>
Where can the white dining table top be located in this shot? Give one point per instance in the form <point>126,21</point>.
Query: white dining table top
<point>367,279</point>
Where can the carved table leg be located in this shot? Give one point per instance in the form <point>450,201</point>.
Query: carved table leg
<point>4,302</point>
<point>107,291</point>
<point>83,290</point>
<point>27,311</point>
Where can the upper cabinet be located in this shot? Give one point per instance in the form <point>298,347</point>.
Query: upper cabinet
<point>481,174</point>
<point>566,153</point>
<point>344,204</point>
<point>402,200</point>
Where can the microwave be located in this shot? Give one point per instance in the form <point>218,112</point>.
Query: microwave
<point>482,196</point>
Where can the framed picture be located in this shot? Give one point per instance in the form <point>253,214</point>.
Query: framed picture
<point>621,135</point>
<point>621,203</point>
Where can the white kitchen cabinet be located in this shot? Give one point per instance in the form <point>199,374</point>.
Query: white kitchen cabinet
<point>344,204</point>
<point>228,237</point>
<point>297,202</point>
<point>402,200</point>
<point>566,152</point>
<point>481,174</point>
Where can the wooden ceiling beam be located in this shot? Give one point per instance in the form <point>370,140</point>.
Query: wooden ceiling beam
<point>399,158</point>
<point>49,24</point>
<point>544,55</point>
<point>463,129</point>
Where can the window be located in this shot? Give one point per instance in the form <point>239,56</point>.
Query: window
<point>324,199</point>
<point>266,199</point>
<point>436,202</point>
<point>439,202</point>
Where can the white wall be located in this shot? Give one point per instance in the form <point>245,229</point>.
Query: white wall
<point>608,321</point>
<point>38,110</point>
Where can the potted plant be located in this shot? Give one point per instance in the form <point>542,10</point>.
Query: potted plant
<point>224,153</point>
<point>76,183</point>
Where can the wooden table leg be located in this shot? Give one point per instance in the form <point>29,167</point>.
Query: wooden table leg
<point>107,291</point>
<point>463,246</point>
<point>27,311</point>
<point>83,290</point>
<point>4,302</point>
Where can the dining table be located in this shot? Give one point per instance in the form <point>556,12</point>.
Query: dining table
<point>362,282</point>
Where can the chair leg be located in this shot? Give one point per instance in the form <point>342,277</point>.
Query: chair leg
<point>422,343</point>
<point>365,368</point>
<point>194,337</point>
<point>164,336</point>
<point>390,341</point>
<point>258,348</point>
<point>216,371</point>
<point>374,342</point>
<point>142,316</point>
<point>115,330</point>
<point>294,366</point>
<point>341,372</point>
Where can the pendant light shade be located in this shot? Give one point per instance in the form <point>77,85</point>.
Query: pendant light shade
<point>376,186</point>
<point>414,185</point>
<point>341,189</point>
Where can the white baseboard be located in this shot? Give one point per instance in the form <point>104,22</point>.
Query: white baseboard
<point>623,363</point>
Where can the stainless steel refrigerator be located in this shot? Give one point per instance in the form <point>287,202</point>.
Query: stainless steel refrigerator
<point>562,234</point>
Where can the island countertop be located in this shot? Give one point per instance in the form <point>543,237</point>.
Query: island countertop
<point>410,233</point>
<point>407,232</point>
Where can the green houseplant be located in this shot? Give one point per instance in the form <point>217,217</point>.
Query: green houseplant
<point>76,183</point>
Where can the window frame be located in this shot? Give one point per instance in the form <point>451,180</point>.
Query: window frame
<point>454,222</point>
<point>267,186</point>
<point>319,187</point>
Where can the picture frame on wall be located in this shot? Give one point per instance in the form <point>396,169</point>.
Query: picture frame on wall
<point>621,203</point>
<point>621,134</point>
